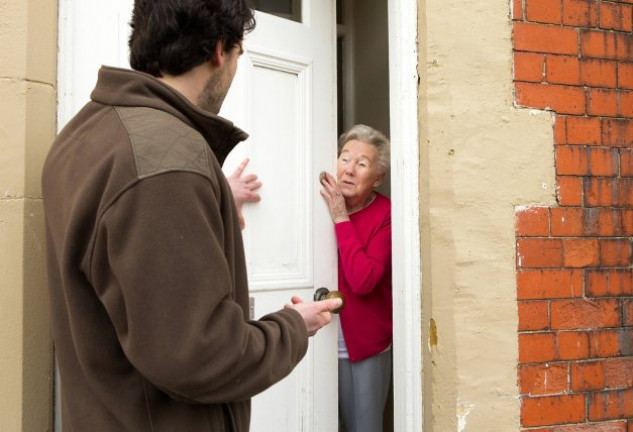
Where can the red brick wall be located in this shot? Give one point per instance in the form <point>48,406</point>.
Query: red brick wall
<point>575,260</point>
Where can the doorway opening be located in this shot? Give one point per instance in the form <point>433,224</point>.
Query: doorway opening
<point>362,65</point>
<point>362,48</point>
<point>377,84</point>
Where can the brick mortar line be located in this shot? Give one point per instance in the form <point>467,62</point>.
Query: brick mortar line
<point>584,87</point>
<point>574,27</point>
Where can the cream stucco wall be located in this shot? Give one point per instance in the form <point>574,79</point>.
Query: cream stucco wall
<point>480,157</point>
<point>27,127</point>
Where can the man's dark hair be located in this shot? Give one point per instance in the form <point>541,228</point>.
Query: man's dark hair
<point>174,36</point>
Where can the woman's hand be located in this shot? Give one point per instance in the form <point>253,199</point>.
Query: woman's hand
<point>243,189</point>
<point>335,200</point>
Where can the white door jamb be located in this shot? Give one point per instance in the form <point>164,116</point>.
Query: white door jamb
<point>407,324</point>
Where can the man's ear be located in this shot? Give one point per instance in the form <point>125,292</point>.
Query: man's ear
<point>218,55</point>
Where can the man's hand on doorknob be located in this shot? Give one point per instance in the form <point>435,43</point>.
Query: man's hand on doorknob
<point>315,314</point>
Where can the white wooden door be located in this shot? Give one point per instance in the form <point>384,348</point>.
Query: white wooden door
<point>283,95</point>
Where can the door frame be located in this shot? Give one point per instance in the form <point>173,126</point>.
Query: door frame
<point>405,201</point>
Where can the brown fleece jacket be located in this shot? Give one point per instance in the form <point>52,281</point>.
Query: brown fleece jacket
<point>146,268</point>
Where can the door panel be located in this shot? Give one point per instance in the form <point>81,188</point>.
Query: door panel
<point>277,237</point>
<point>283,95</point>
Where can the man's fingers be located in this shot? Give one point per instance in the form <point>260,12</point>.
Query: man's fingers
<point>329,305</point>
<point>253,197</point>
<point>249,178</point>
<point>316,314</point>
<point>243,164</point>
<point>240,168</point>
<point>254,185</point>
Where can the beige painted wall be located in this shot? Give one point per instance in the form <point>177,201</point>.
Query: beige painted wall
<point>480,157</point>
<point>27,126</point>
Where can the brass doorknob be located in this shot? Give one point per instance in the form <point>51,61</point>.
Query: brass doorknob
<point>324,294</point>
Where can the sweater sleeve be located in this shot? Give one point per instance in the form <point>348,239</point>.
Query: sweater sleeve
<point>363,267</point>
<point>160,268</point>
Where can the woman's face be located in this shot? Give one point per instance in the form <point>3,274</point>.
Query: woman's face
<point>357,170</point>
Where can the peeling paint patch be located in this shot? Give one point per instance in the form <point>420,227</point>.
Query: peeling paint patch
<point>463,410</point>
<point>432,334</point>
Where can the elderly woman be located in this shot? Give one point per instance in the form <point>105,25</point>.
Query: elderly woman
<point>362,222</point>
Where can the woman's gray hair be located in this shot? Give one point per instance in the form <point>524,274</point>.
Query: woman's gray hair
<point>370,136</point>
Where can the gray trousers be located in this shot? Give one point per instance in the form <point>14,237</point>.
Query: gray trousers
<point>363,388</point>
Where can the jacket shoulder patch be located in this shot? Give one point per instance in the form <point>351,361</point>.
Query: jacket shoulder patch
<point>162,142</point>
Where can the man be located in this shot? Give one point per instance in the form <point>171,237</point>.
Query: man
<point>146,265</point>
